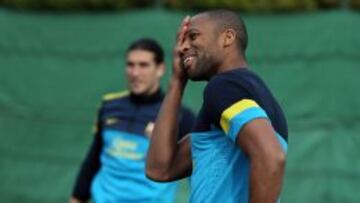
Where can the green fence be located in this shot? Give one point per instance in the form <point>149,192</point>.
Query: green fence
<point>54,69</point>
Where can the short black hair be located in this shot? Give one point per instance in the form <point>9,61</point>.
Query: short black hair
<point>226,19</point>
<point>150,45</point>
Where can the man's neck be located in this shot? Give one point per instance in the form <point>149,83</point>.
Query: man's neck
<point>232,63</point>
<point>147,98</point>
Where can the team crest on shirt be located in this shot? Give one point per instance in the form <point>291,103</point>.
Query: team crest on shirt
<point>148,129</point>
<point>124,148</point>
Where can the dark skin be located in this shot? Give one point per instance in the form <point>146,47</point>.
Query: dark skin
<point>169,160</point>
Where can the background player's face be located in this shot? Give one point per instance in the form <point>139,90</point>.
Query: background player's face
<point>143,73</point>
<point>201,53</point>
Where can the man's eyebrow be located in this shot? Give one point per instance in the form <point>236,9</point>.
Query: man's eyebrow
<point>193,30</point>
<point>144,63</point>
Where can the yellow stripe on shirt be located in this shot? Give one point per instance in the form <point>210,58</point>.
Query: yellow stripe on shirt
<point>234,110</point>
<point>116,95</point>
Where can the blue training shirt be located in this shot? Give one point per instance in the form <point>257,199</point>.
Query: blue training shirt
<point>114,169</point>
<point>231,100</point>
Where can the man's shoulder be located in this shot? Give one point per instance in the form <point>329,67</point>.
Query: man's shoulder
<point>230,82</point>
<point>186,111</point>
<point>241,79</point>
<point>115,96</point>
<point>115,99</point>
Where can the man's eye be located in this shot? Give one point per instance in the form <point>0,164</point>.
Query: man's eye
<point>193,36</point>
<point>143,64</point>
<point>130,64</point>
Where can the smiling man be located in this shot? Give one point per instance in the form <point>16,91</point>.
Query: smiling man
<point>236,152</point>
<point>114,169</point>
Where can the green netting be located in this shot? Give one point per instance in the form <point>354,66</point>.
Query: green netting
<point>54,69</point>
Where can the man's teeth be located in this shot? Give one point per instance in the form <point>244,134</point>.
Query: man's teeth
<point>187,59</point>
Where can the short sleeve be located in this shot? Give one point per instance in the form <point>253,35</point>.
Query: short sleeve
<point>230,106</point>
<point>187,122</point>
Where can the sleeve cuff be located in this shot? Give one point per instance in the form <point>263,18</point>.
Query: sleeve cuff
<point>239,120</point>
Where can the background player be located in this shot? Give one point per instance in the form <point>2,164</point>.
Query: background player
<point>113,170</point>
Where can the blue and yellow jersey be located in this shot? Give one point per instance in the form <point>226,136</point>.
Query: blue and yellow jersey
<point>115,166</point>
<point>231,100</point>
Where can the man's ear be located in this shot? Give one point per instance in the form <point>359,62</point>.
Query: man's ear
<point>229,37</point>
<point>160,70</point>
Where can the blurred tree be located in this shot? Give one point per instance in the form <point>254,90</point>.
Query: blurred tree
<point>355,4</point>
<point>62,4</point>
<point>242,5</point>
<point>254,5</point>
<point>329,3</point>
<point>290,5</point>
<point>76,4</point>
<point>22,4</point>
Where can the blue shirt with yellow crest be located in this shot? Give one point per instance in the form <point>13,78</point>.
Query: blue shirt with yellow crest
<point>220,168</point>
<point>114,168</point>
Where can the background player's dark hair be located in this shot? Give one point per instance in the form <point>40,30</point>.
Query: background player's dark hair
<point>226,19</point>
<point>150,45</point>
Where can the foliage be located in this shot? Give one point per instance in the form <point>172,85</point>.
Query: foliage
<point>355,4</point>
<point>241,5</point>
<point>76,4</point>
<point>254,5</point>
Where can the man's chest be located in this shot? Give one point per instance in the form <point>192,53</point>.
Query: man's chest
<point>135,119</point>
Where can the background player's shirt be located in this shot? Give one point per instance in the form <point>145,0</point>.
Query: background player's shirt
<point>114,170</point>
<point>220,168</point>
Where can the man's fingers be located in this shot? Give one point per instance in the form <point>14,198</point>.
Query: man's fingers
<point>184,22</point>
<point>182,29</point>
<point>185,27</point>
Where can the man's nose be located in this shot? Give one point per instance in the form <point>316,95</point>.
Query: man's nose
<point>185,46</point>
<point>134,71</point>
